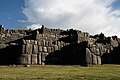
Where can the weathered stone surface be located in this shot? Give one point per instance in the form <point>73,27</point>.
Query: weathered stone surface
<point>35,49</point>
<point>94,59</point>
<point>25,59</point>
<point>37,35</point>
<point>44,55</point>
<point>50,43</point>
<point>52,49</point>
<point>97,52</point>
<point>58,43</point>
<point>34,59</point>
<point>35,42</point>
<point>24,42</point>
<point>27,41</point>
<point>32,42</point>
<point>49,49</point>
<point>44,49</point>
<point>28,49</point>
<point>46,43</point>
<point>39,43</point>
<point>3,46</point>
<point>40,49</point>
<point>43,43</point>
<point>55,47</point>
<point>98,59</point>
<point>23,49</point>
<point>40,58</point>
<point>88,56</point>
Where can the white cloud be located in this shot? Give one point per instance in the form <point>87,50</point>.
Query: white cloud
<point>34,26</point>
<point>93,16</point>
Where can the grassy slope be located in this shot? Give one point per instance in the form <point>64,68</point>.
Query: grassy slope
<point>104,72</point>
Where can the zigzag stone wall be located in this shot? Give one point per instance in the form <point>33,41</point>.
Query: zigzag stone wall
<point>55,46</point>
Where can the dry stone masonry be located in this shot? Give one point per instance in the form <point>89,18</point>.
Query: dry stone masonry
<point>59,47</point>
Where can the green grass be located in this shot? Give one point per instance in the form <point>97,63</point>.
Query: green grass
<point>55,72</point>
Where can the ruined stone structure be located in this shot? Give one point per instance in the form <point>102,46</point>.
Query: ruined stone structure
<point>59,47</point>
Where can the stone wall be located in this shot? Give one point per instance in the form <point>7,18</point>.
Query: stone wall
<point>36,51</point>
<point>55,46</point>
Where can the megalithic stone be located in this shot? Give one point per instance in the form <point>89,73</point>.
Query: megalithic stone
<point>46,43</point>
<point>35,49</point>
<point>25,59</point>
<point>24,41</point>
<point>23,49</point>
<point>45,49</point>
<point>39,43</point>
<point>37,35</point>
<point>55,47</point>
<point>43,43</point>
<point>59,43</point>
<point>35,42</point>
<point>52,49</point>
<point>34,59</point>
<point>59,47</point>
<point>27,41</point>
<point>98,59</point>
<point>32,42</point>
<point>88,57</point>
<point>44,55</point>
<point>94,59</point>
<point>49,49</point>
<point>39,58</point>
<point>97,52</point>
<point>28,49</point>
<point>40,49</point>
<point>50,43</point>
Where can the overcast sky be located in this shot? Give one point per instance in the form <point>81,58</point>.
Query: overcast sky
<point>93,16</point>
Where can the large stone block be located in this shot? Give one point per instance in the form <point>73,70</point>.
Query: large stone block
<point>24,41</point>
<point>98,59</point>
<point>52,49</point>
<point>94,59</point>
<point>43,42</point>
<point>46,43</point>
<point>40,58</point>
<point>23,49</point>
<point>49,49</point>
<point>98,45</point>
<point>25,59</point>
<point>55,47</point>
<point>44,49</point>
<point>28,49</point>
<point>59,47</point>
<point>44,55</point>
<point>58,43</point>
<point>32,42</point>
<point>34,59</point>
<point>35,49</point>
<point>27,41</point>
<point>39,43</point>
<point>3,46</point>
<point>35,42</point>
<point>97,52</point>
<point>50,43</point>
<point>88,56</point>
<point>93,49</point>
<point>40,49</point>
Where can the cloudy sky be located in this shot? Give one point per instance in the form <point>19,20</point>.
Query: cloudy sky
<point>93,16</point>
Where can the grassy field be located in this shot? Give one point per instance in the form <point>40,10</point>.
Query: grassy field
<point>55,72</point>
